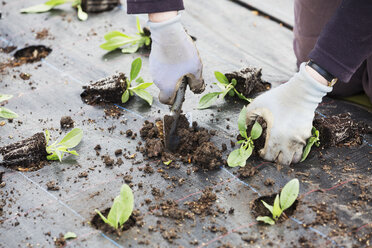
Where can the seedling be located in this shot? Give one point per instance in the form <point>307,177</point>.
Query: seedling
<point>313,140</point>
<point>49,5</point>
<point>129,43</point>
<point>226,88</point>
<point>69,235</point>
<point>167,162</point>
<point>287,197</point>
<point>239,156</point>
<point>56,150</point>
<point>121,209</point>
<point>4,112</point>
<point>139,89</point>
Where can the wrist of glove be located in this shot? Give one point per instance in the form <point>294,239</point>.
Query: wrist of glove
<point>173,56</point>
<point>289,112</point>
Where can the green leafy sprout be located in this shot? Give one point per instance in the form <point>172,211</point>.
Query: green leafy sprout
<point>287,197</point>
<point>49,5</point>
<point>69,235</point>
<point>313,140</point>
<point>4,112</point>
<point>129,43</point>
<point>139,89</point>
<point>226,88</point>
<point>239,156</point>
<point>121,209</point>
<point>56,150</point>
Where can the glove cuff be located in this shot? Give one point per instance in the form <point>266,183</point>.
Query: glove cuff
<point>158,26</point>
<point>313,87</point>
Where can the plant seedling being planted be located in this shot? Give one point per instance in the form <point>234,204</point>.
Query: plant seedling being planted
<point>121,209</point>
<point>239,156</point>
<point>129,43</point>
<point>56,150</point>
<point>226,88</point>
<point>139,89</point>
<point>4,112</point>
<point>313,140</point>
<point>287,197</point>
<point>48,5</point>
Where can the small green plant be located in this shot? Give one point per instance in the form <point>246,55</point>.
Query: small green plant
<point>121,209</point>
<point>239,156</point>
<point>4,112</point>
<point>313,140</point>
<point>48,5</point>
<point>226,88</point>
<point>69,235</point>
<point>139,89</point>
<point>287,197</point>
<point>130,43</point>
<point>57,150</point>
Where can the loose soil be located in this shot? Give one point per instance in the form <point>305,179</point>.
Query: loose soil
<point>107,90</point>
<point>98,223</point>
<point>67,122</point>
<point>194,144</point>
<point>8,49</point>
<point>249,82</point>
<point>29,154</point>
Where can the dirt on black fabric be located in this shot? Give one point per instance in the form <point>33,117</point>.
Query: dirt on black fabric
<point>29,153</point>
<point>258,209</point>
<point>170,209</point>
<point>98,223</point>
<point>67,122</point>
<point>340,130</point>
<point>203,206</point>
<point>32,54</point>
<point>109,89</point>
<point>249,82</point>
<point>8,49</point>
<point>60,241</point>
<point>247,171</point>
<point>194,144</point>
<point>97,6</point>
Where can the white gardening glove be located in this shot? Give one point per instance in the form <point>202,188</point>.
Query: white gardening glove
<point>289,112</point>
<point>173,55</point>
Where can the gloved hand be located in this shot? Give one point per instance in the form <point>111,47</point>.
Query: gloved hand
<point>289,112</point>
<point>173,55</point>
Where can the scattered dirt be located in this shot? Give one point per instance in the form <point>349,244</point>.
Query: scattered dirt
<point>8,49</point>
<point>32,54</point>
<point>60,241</point>
<point>249,82</point>
<point>108,89</point>
<point>67,122</point>
<point>258,209</point>
<point>43,34</point>
<point>94,6</point>
<point>194,145</point>
<point>323,215</point>
<point>98,223</point>
<point>28,154</point>
<point>247,171</point>
<point>340,130</point>
<point>52,185</point>
<point>24,76</point>
<point>203,206</point>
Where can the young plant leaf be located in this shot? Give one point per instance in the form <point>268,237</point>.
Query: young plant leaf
<point>114,34</point>
<point>140,80</point>
<point>289,194</point>
<point>47,136</point>
<point>142,86</point>
<point>139,26</point>
<point>81,14</point>
<point>266,219</point>
<point>239,157</point>
<point>242,124</point>
<point>69,235</point>
<point>4,97</point>
<point>269,207</point>
<point>167,162</point>
<point>72,138</point>
<point>221,78</point>
<point>7,113</point>
<point>256,131</point>
<point>135,68</point>
<point>313,140</point>
<point>40,8</point>
<point>241,96</point>
<point>144,95</point>
<point>234,82</point>
<point>130,49</point>
<point>226,90</point>
<point>277,211</point>
<point>125,96</point>
<point>207,100</point>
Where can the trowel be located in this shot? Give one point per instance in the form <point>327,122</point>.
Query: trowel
<point>170,122</point>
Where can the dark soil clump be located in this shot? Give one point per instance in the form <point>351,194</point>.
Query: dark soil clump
<point>28,153</point>
<point>249,82</point>
<point>108,90</point>
<point>8,49</point>
<point>32,54</point>
<point>60,241</point>
<point>203,206</point>
<point>340,130</point>
<point>98,223</point>
<point>259,209</point>
<point>247,171</point>
<point>94,6</point>
<point>194,144</point>
<point>67,122</point>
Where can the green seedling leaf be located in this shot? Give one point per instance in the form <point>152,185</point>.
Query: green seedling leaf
<point>40,8</point>
<point>147,40</point>
<point>72,138</point>
<point>130,49</point>
<point>144,95</point>
<point>226,90</point>
<point>241,96</point>
<point>313,140</point>
<point>239,157</point>
<point>256,131</point>
<point>231,93</point>
<point>221,78</point>
<point>125,96</point>
<point>289,194</point>
<point>81,14</point>
<point>135,69</point>
<point>234,82</point>
<point>7,113</point>
<point>277,211</point>
<point>69,235</point>
<point>266,219</point>
<point>47,136</point>
<point>139,26</point>
<point>242,124</point>
<point>207,100</point>
<point>269,207</point>
<point>114,34</point>
<point>142,86</point>
<point>118,41</point>
<point>4,97</point>
<point>102,217</point>
<point>167,162</point>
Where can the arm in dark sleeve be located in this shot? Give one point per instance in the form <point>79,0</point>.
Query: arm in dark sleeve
<point>153,6</point>
<point>346,40</point>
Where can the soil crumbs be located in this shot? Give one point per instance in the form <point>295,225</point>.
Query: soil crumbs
<point>194,146</point>
<point>67,122</point>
